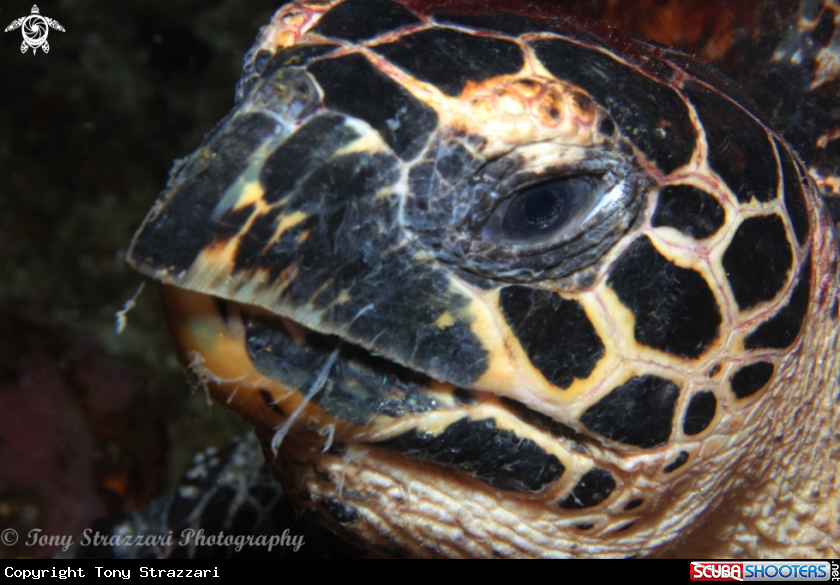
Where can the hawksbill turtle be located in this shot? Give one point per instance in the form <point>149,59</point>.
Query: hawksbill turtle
<point>492,282</point>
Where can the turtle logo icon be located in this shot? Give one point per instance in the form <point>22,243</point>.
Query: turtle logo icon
<point>35,28</point>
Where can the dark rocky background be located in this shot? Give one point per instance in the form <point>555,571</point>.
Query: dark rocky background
<point>92,422</point>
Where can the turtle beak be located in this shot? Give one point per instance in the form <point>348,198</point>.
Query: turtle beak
<point>296,210</point>
<point>265,367</point>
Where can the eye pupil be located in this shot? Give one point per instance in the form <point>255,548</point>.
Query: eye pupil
<point>540,206</point>
<point>542,210</point>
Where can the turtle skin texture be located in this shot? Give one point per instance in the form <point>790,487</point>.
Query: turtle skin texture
<point>492,285</point>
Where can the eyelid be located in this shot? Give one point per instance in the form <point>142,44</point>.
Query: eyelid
<point>614,194</point>
<point>466,228</point>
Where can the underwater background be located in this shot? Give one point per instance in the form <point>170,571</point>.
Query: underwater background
<point>91,422</point>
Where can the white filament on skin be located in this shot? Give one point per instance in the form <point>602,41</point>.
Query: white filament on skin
<point>122,316</point>
<point>283,429</point>
<point>232,395</point>
<point>204,376</point>
<point>328,430</point>
<point>362,311</point>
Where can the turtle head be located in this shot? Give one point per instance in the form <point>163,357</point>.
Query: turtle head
<point>488,286</point>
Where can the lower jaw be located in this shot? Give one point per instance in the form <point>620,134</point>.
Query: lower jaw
<point>266,368</point>
<point>374,473</point>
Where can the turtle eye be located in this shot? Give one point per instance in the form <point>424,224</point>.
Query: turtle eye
<point>540,211</point>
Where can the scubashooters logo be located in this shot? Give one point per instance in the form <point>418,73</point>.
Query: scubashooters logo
<point>717,571</point>
<point>35,29</point>
<point>762,570</point>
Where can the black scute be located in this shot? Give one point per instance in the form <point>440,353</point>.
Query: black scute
<point>496,456</point>
<point>649,113</point>
<point>592,489</point>
<point>448,59</point>
<point>675,310</point>
<point>638,412</point>
<point>362,20</point>
<point>689,210</point>
<point>555,333</point>
<point>752,378</point>
<point>633,504</point>
<point>314,142</point>
<point>680,460</point>
<point>780,331</point>
<point>353,86</point>
<point>185,226</point>
<point>758,260</point>
<point>739,147</point>
<point>700,412</point>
